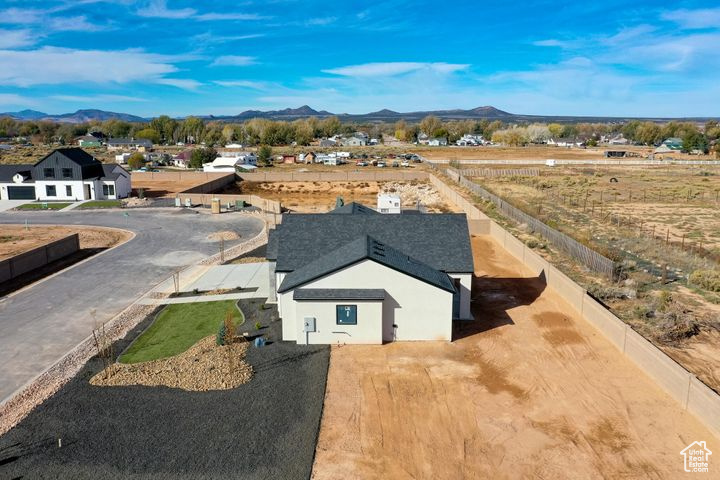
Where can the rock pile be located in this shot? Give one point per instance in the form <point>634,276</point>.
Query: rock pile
<point>205,366</point>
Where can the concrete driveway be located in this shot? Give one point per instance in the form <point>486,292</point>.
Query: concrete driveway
<point>8,204</point>
<point>41,324</point>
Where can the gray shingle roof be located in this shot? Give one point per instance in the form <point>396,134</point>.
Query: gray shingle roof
<point>365,247</point>
<point>339,294</point>
<point>77,155</point>
<point>272,244</point>
<point>441,241</point>
<point>9,171</point>
<point>130,141</point>
<point>353,208</point>
<point>113,172</point>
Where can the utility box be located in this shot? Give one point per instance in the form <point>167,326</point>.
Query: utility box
<point>215,205</point>
<point>178,202</point>
<point>309,324</point>
<point>188,203</point>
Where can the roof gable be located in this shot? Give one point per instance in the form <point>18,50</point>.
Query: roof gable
<point>74,154</point>
<point>366,248</point>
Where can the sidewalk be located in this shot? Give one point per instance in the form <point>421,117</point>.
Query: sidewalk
<point>73,206</point>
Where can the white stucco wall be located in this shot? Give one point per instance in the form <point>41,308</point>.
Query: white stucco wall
<point>78,192</point>
<point>420,311</point>
<point>367,331</point>
<point>465,294</point>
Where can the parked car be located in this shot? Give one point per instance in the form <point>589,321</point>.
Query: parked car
<point>396,164</point>
<point>361,164</point>
<point>405,163</point>
<point>381,164</point>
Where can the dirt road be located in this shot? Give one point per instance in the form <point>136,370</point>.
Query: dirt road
<point>528,390</point>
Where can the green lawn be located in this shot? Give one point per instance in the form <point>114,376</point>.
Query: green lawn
<point>101,204</point>
<point>179,327</point>
<point>39,206</point>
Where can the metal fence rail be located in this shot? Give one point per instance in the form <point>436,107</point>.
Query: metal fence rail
<point>500,172</point>
<point>588,257</point>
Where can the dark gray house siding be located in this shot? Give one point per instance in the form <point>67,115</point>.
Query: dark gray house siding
<point>67,164</point>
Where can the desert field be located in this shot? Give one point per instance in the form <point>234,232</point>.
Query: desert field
<point>479,408</point>
<point>662,226</point>
<point>320,196</point>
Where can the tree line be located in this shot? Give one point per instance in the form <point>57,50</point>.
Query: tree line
<point>258,131</point>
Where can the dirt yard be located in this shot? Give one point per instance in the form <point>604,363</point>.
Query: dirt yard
<point>162,188</point>
<point>15,239</point>
<point>526,391</point>
<point>313,197</point>
<point>535,152</point>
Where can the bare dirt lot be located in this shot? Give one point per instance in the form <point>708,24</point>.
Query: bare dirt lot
<point>15,239</point>
<point>311,197</point>
<point>162,188</point>
<point>528,390</point>
<point>536,152</point>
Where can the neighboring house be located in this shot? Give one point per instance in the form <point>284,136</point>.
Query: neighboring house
<point>228,161</point>
<point>358,139</point>
<point>122,158</point>
<point>182,159</point>
<point>423,138</point>
<point>140,144</point>
<point>89,141</point>
<point>328,142</point>
<point>470,140</point>
<point>618,140</point>
<point>437,142</point>
<point>565,142</point>
<point>355,276</point>
<point>307,158</point>
<point>388,203</point>
<point>65,174</point>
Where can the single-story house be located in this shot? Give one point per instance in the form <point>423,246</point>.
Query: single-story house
<point>354,275</point>
<point>423,138</point>
<point>64,174</point>
<point>307,158</point>
<point>182,159</point>
<point>437,142</point>
<point>140,144</point>
<point>672,144</point>
<point>228,163</point>
<point>328,142</point>
<point>89,141</point>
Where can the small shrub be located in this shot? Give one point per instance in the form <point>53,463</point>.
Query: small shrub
<point>706,279</point>
<point>220,337</point>
<point>229,328</point>
<point>258,325</point>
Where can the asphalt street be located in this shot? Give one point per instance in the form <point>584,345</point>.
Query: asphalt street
<point>42,323</point>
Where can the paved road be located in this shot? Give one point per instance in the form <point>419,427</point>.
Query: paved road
<point>39,325</point>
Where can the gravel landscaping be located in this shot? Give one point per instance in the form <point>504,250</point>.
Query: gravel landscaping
<point>266,428</point>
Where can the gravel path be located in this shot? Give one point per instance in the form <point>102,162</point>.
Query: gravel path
<point>266,428</point>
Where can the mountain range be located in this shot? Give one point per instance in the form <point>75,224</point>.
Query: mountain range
<point>384,115</point>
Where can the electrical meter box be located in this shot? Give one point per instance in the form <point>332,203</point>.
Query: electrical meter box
<point>309,324</point>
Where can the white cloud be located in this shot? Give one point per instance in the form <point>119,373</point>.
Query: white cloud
<point>183,83</point>
<point>13,99</point>
<point>242,84</point>
<point>233,60</point>
<point>698,18</point>
<point>550,42</point>
<point>16,38</point>
<point>159,9</point>
<point>29,16</point>
<point>395,68</point>
<point>55,66</point>
<point>320,21</point>
<point>97,98</point>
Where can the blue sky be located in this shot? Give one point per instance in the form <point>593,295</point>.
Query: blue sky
<point>537,57</point>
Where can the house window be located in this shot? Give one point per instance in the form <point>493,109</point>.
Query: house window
<point>50,191</point>
<point>49,172</point>
<point>108,190</point>
<point>346,314</point>
<point>67,173</point>
<point>68,190</point>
